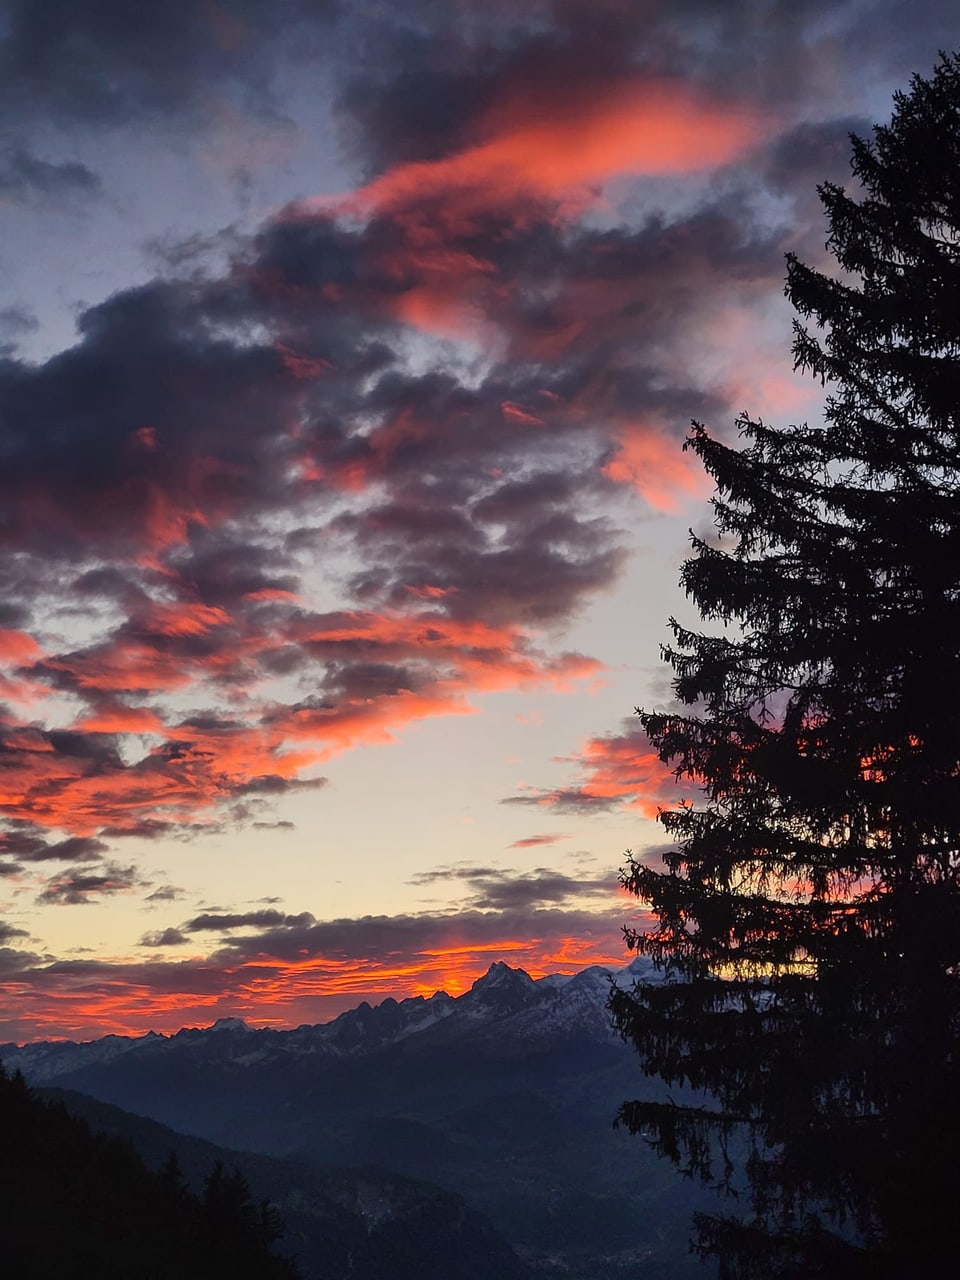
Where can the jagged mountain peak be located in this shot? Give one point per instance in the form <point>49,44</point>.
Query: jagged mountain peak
<point>500,974</point>
<point>499,992</point>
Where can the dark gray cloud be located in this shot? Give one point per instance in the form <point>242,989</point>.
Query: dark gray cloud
<point>21,840</point>
<point>271,784</point>
<point>30,844</point>
<point>164,938</point>
<point>392,939</point>
<point>27,177</point>
<point>212,921</point>
<point>804,156</point>
<point>458,872</point>
<point>98,977</point>
<point>14,963</point>
<point>147,829</point>
<point>79,885</point>
<point>106,62</point>
<point>17,320</point>
<point>166,893</point>
<point>572,800</point>
<point>72,849</point>
<point>130,412</point>
<point>506,889</point>
<point>225,571</point>
<point>535,888</point>
<point>8,931</point>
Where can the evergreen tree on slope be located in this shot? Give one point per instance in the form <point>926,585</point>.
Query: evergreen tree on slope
<point>809,911</point>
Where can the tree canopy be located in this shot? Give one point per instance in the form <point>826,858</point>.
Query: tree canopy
<point>808,911</point>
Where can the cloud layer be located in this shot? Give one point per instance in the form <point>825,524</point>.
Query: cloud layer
<point>365,464</point>
<point>280,968</point>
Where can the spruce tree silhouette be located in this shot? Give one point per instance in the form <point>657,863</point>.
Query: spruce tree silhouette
<point>808,913</point>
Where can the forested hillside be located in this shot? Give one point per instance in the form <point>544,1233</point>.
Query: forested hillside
<point>75,1204</point>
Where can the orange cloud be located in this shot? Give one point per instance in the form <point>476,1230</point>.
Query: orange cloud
<point>532,158</point>
<point>123,666</point>
<point>626,767</point>
<point>183,619</point>
<point>616,770</point>
<point>165,521</point>
<point>526,146</point>
<point>154,652</point>
<point>17,648</point>
<point>365,721</point>
<point>116,717</point>
<point>467,653</point>
<point>79,781</point>
<point>270,593</point>
<point>516,413</point>
<point>657,467</point>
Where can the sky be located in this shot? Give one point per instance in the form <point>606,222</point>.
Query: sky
<point>347,352</point>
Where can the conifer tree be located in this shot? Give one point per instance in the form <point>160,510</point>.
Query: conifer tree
<point>808,913</point>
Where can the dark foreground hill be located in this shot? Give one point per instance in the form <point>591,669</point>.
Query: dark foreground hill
<point>505,1095</point>
<point>77,1205</point>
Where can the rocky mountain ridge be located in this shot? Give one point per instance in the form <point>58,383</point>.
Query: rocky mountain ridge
<point>535,1008</point>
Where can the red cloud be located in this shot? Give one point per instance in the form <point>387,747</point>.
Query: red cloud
<point>656,466</point>
<point>117,717</point>
<point>17,648</point>
<point>526,146</point>
<point>616,771</point>
<point>377,672</point>
<point>625,767</point>
<point>79,783</point>
<point>534,158</point>
<point>464,654</point>
<point>516,413</point>
<point>183,619</point>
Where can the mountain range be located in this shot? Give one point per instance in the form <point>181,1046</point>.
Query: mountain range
<point>504,1095</point>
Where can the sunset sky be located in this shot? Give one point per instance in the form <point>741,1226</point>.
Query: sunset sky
<point>347,349</point>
